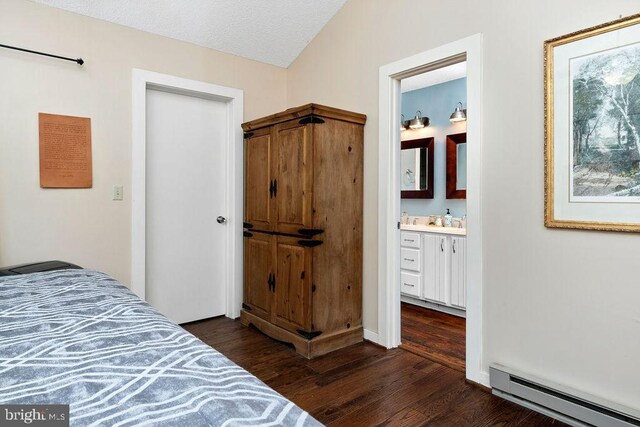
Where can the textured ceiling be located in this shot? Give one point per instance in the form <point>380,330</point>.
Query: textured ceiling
<point>271,31</point>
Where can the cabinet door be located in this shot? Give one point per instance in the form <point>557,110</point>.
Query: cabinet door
<point>458,272</point>
<point>292,297</point>
<point>293,177</point>
<point>259,209</point>
<point>259,257</point>
<point>435,275</point>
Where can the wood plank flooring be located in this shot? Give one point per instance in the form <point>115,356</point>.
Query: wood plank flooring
<point>364,385</point>
<point>435,335</point>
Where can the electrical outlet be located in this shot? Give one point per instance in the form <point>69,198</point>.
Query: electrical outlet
<point>118,192</point>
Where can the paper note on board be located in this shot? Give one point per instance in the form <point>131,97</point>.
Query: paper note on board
<point>65,151</point>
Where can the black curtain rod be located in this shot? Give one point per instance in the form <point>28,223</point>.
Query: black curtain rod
<point>78,61</point>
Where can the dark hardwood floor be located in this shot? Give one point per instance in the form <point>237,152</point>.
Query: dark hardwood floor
<point>435,335</point>
<point>364,385</point>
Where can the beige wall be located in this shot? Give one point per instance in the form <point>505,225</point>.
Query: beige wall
<point>561,304</point>
<point>85,226</point>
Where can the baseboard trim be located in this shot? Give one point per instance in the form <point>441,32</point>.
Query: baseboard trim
<point>484,379</point>
<point>433,306</point>
<point>369,335</point>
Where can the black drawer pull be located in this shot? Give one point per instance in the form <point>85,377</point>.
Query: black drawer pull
<point>408,284</point>
<point>310,243</point>
<point>310,231</point>
<point>410,260</point>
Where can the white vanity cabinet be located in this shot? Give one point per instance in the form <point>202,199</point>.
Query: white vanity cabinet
<point>439,277</point>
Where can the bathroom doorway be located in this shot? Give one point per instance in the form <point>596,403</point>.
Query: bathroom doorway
<point>433,166</point>
<point>390,252</point>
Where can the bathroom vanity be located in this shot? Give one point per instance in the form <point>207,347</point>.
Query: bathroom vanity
<point>433,267</point>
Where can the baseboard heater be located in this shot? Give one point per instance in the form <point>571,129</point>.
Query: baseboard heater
<point>562,403</point>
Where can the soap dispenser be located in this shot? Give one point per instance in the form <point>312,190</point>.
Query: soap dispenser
<point>448,219</point>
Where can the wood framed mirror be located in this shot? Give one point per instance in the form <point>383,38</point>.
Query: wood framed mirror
<point>457,166</point>
<point>416,169</point>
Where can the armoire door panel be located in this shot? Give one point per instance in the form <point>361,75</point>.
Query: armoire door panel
<point>291,302</point>
<point>259,255</point>
<point>259,207</point>
<point>294,175</point>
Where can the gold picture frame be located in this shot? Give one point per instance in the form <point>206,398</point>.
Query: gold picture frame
<point>599,212</point>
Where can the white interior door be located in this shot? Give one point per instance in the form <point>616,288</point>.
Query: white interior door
<point>185,193</point>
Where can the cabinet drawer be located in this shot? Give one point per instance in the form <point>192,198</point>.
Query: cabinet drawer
<point>410,259</point>
<point>410,240</point>
<point>410,284</point>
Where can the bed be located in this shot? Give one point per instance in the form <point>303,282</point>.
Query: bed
<point>79,337</point>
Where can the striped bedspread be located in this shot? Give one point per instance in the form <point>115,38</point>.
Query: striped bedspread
<point>79,337</point>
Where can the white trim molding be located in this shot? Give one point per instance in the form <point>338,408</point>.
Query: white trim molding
<point>234,98</point>
<point>369,335</point>
<point>469,49</point>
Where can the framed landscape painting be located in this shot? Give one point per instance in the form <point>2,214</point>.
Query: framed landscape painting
<point>592,128</point>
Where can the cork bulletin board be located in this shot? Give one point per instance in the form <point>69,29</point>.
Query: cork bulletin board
<point>65,151</point>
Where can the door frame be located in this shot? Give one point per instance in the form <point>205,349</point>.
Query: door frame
<point>469,49</point>
<point>234,99</point>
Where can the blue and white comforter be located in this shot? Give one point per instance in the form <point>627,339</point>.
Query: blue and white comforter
<point>79,337</point>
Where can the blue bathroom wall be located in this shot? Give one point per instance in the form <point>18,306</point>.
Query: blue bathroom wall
<point>436,102</point>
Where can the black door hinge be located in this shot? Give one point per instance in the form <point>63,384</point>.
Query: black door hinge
<point>310,243</point>
<point>248,135</point>
<point>310,231</point>
<point>246,307</point>
<point>311,119</point>
<point>275,187</point>
<point>247,234</point>
<point>247,225</point>
<point>308,335</point>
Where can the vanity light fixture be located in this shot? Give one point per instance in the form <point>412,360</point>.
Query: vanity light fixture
<point>404,125</point>
<point>459,114</point>
<point>418,122</point>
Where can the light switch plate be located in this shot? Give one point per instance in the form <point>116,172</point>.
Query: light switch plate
<point>118,192</point>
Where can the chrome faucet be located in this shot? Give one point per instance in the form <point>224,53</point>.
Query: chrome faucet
<point>463,220</point>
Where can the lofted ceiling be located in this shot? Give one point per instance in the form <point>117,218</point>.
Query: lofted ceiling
<point>270,31</point>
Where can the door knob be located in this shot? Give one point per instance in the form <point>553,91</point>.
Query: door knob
<point>221,220</point>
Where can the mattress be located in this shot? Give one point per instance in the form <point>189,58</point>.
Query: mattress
<point>79,337</point>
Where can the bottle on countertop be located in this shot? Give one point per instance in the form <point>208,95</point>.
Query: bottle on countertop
<point>448,218</point>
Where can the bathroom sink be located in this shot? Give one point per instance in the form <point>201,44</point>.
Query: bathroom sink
<point>434,229</point>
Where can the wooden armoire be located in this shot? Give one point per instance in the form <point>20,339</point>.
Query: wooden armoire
<point>303,227</point>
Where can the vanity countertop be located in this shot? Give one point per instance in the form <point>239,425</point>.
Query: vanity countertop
<point>434,229</point>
